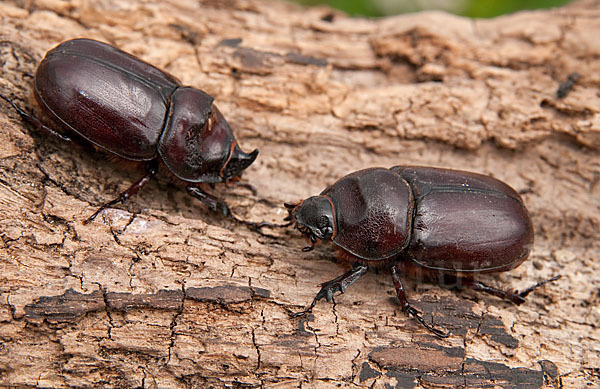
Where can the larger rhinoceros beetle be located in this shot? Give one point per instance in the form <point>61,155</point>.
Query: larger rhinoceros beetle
<point>135,111</point>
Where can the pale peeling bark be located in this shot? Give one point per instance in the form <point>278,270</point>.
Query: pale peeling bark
<point>162,293</point>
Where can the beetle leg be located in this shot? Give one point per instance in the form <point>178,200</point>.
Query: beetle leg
<point>509,295</point>
<point>407,308</point>
<point>213,203</point>
<point>524,293</point>
<point>248,186</point>
<point>338,284</point>
<point>151,170</point>
<point>35,122</point>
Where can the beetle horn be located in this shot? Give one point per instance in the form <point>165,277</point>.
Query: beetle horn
<point>238,162</point>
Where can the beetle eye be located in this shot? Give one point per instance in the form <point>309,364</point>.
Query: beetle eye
<point>322,222</point>
<point>324,226</point>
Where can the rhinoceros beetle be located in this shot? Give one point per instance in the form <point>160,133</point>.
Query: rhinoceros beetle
<point>128,108</point>
<point>440,224</point>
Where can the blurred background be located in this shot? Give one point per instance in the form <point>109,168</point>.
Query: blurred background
<point>471,8</point>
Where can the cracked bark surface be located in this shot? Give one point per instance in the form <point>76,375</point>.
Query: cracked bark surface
<point>159,292</point>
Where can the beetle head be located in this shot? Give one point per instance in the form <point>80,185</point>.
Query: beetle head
<point>314,219</point>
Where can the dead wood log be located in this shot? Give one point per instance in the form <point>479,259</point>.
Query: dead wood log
<point>161,293</point>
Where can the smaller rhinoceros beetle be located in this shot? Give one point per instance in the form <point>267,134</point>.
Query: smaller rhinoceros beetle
<point>126,107</point>
<point>440,224</point>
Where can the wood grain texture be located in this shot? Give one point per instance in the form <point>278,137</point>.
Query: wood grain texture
<point>160,293</point>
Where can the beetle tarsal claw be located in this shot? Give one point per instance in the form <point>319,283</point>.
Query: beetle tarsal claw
<point>410,311</point>
<point>524,293</point>
<point>329,294</point>
<point>307,310</point>
<point>329,289</point>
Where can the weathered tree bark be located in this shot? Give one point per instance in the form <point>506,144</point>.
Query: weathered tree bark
<point>159,292</point>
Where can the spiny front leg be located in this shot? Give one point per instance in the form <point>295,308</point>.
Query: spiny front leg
<point>339,284</point>
<point>213,203</point>
<point>407,308</point>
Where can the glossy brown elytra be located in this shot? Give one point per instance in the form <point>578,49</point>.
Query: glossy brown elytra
<point>137,112</point>
<point>447,225</point>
